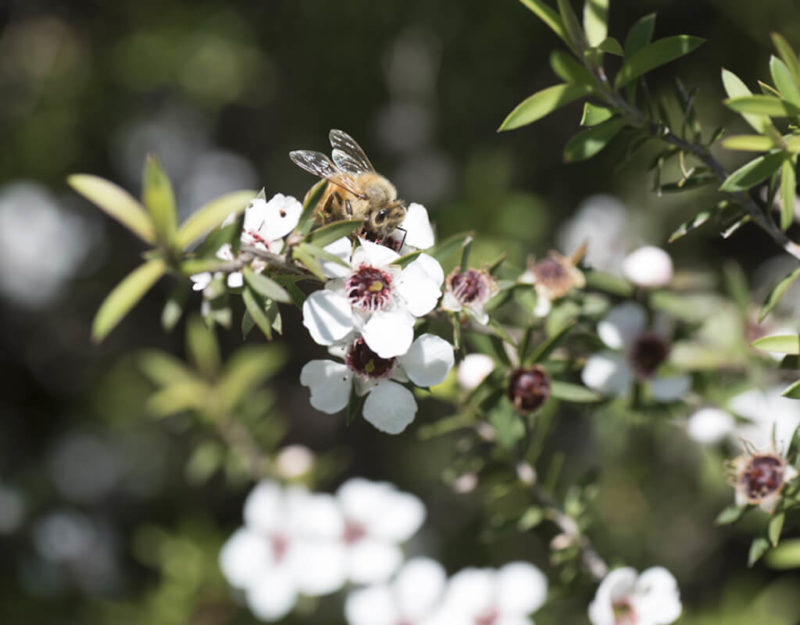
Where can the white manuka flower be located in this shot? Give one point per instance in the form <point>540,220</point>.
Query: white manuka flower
<point>640,354</point>
<point>377,299</point>
<point>389,406</point>
<point>649,267</point>
<point>414,233</point>
<point>265,225</point>
<point>274,557</point>
<point>493,597</point>
<point>771,418</point>
<point>625,598</point>
<point>411,598</point>
<point>469,290</point>
<point>760,477</point>
<point>473,370</point>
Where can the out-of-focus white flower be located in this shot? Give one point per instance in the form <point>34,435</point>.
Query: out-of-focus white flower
<point>710,425</point>
<point>12,509</point>
<point>496,597</point>
<point>469,290</point>
<point>377,299</point>
<point>639,353</point>
<point>235,280</point>
<point>41,244</point>
<point>553,277</point>
<point>279,552</point>
<point>473,370</point>
<point>603,223</point>
<point>389,406</point>
<point>759,479</point>
<point>649,267</point>
<point>766,412</point>
<point>294,461</point>
<point>626,598</point>
<point>411,598</point>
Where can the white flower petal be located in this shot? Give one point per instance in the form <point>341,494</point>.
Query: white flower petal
<point>621,325</point>
<point>200,280</point>
<point>450,302</point>
<point>371,606</point>
<point>327,316</point>
<point>373,561</point>
<point>273,596</point>
<point>609,373</point>
<point>543,306</point>
<point>417,224</point>
<point>398,518</point>
<point>657,599</point>
<point>710,425</point>
<point>264,508</point>
<point>341,248</point>
<point>319,567</point>
<point>418,587</point>
<point>390,407</point>
<point>521,588</point>
<point>390,333</point>
<point>665,389</point>
<point>473,370</point>
<point>428,360</point>
<point>373,254</point>
<point>318,516</point>
<point>360,499</point>
<point>431,267</point>
<point>244,557</point>
<point>419,291</point>
<point>617,585</point>
<point>235,280</point>
<point>648,267</point>
<point>329,382</point>
<point>279,217</point>
<point>471,592</point>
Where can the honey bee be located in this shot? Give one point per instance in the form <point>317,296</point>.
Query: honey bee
<point>354,190</point>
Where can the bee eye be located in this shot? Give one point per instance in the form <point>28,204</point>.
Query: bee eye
<point>380,216</point>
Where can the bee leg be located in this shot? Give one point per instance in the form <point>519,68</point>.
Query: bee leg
<point>405,234</point>
<point>327,208</point>
<point>349,208</point>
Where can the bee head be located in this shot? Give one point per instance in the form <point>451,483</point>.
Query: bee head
<point>393,213</point>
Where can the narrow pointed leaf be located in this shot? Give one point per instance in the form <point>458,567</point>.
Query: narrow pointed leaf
<point>573,392</point>
<point>748,143</point>
<point>611,46</point>
<point>762,105</point>
<point>654,55</point>
<point>173,307</point>
<point>753,172</point>
<point>548,16</point>
<point>788,55</point>
<point>776,293</point>
<point>115,202</point>
<point>125,296</point>
<point>542,103</point>
<point>788,187</point>
<point>793,392</point>
<point>569,69</point>
<point>595,21</point>
<point>310,202</point>
<point>333,231</point>
<point>731,514</point>
<point>247,368</point>
<point>688,226</point>
<point>781,343</point>
<point>266,286</point>
<point>212,215</point>
<point>594,115</point>
<point>775,528</point>
<point>784,80</point>
<point>577,38</point>
<point>256,308</point>
<point>758,548</point>
<point>164,369</point>
<point>640,34</point>
<point>202,347</point>
<point>735,88</point>
<point>589,142</point>
<point>159,199</point>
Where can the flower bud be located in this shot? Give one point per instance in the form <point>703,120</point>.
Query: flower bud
<point>528,388</point>
<point>648,267</point>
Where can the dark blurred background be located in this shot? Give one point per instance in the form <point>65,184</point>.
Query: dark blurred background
<point>107,515</point>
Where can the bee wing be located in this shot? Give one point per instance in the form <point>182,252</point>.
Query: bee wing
<point>347,154</point>
<point>320,165</point>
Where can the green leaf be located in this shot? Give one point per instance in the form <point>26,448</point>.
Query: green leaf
<point>762,105</point>
<point>541,104</point>
<point>159,200</point>
<point>753,172</point>
<point>788,188</point>
<point>323,254</point>
<point>785,556</point>
<point>748,143</point>
<point>449,246</point>
<point>792,144</point>
<point>782,343</point>
<point>248,367</point>
<point>594,114</point>
<point>758,548</point>
<point>548,16</point>
<point>178,398</point>
<point>212,215</point>
<point>573,392</point>
<point>551,343</point>
<point>640,34</point>
<point>310,201</point>
<point>735,88</point>
<point>507,425</point>
<point>116,203</point>
<point>202,347</point>
<point>589,142</point>
<point>164,369</point>
<point>302,254</point>
<point>654,55</point>
<point>775,528</point>
<point>256,308</point>
<point>784,80</point>
<point>688,226</point>
<point>569,69</point>
<point>788,55</point>
<point>611,46</point>
<point>354,405</point>
<point>267,287</point>
<point>333,231</point>
<point>595,21</point>
<point>793,391</point>
<point>608,283</point>
<point>730,514</point>
<point>125,296</point>
<point>173,307</point>
<point>404,261</point>
<point>577,38</point>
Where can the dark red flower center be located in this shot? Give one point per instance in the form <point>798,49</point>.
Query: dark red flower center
<point>366,363</point>
<point>648,353</point>
<point>490,617</point>
<point>353,532</point>
<point>528,388</point>
<point>369,288</point>
<point>279,544</point>
<point>762,476</point>
<point>470,286</point>
<point>624,613</point>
